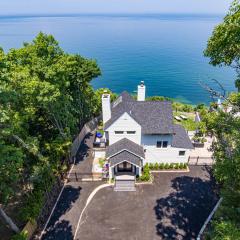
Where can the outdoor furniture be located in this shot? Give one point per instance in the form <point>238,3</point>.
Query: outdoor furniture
<point>99,135</point>
<point>183,117</point>
<point>177,118</point>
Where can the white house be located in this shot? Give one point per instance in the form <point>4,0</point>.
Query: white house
<point>140,132</point>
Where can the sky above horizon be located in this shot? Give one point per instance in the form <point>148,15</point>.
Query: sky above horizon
<point>32,7</point>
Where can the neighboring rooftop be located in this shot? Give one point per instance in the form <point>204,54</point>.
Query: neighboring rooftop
<point>124,144</point>
<point>155,117</point>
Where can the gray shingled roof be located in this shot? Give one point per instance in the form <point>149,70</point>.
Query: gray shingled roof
<point>181,138</point>
<point>155,117</point>
<point>124,144</point>
<point>125,155</point>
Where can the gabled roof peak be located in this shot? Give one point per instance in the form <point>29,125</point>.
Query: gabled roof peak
<point>155,117</point>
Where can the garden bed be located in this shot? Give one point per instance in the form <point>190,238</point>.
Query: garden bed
<point>167,166</point>
<point>171,170</point>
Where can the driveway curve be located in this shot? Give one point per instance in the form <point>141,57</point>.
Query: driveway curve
<point>174,207</point>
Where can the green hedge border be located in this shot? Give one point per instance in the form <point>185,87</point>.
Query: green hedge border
<point>166,166</point>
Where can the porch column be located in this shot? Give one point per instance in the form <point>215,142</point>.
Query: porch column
<point>110,172</point>
<point>139,171</point>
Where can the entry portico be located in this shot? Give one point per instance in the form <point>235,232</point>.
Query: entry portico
<point>125,158</point>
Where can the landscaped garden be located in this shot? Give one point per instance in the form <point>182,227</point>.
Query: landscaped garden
<point>154,167</point>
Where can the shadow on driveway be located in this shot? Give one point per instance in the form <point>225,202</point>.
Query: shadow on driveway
<point>182,213</point>
<point>58,228</point>
<point>86,145</point>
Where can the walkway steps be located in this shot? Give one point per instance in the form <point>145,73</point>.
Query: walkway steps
<point>124,186</point>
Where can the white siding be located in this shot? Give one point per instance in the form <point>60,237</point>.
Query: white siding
<point>152,153</point>
<point>162,155</point>
<point>124,123</point>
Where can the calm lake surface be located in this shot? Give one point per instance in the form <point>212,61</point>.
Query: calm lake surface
<point>166,51</point>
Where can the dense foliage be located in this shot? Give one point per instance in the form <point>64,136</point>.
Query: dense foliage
<point>225,127</point>
<point>45,98</point>
<point>224,49</point>
<point>224,45</point>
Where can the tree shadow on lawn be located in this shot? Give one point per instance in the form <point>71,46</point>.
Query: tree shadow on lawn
<point>83,151</point>
<point>182,213</point>
<point>61,229</point>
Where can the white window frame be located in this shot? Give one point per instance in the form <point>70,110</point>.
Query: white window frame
<point>161,141</point>
<point>160,144</point>
<point>131,132</point>
<point>182,155</point>
<point>118,132</point>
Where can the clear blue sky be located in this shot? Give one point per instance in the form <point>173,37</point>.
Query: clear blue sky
<point>11,7</point>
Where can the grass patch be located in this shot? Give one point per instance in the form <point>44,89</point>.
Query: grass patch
<point>189,124</point>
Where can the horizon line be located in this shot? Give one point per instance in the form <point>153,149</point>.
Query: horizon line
<point>111,14</point>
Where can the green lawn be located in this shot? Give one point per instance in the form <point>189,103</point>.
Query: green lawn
<point>188,124</point>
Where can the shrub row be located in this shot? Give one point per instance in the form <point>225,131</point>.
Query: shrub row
<point>163,166</point>
<point>146,175</point>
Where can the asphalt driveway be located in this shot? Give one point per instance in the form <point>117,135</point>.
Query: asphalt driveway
<point>174,207</point>
<point>63,222</point>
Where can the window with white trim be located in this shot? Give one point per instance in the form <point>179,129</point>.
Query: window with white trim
<point>182,153</point>
<point>119,132</point>
<point>159,144</point>
<point>131,132</point>
<point>162,144</point>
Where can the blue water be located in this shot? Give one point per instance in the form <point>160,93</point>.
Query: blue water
<point>166,51</point>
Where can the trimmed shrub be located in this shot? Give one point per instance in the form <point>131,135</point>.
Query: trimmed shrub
<point>156,166</point>
<point>161,166</point>
<point>185,166</point>
<point>166,166</point>
<point>171,166</point>
<point>176,166</point>
<point>151,166</point>
<point>146,173</point>
<point>181,166</point>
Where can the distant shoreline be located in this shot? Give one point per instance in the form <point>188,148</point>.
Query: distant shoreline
<point>134,15</point>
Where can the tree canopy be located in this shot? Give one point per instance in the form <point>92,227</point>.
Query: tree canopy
<point>224,49</point>
<point>224,45</point>
<point>45,98</point>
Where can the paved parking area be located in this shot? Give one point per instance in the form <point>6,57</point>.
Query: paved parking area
<point>174,207</point>
<point>63,223</point>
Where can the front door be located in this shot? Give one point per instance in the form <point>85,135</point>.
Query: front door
<point>124,167</point>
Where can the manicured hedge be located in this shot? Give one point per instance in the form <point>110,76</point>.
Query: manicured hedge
<point>166,166</point>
